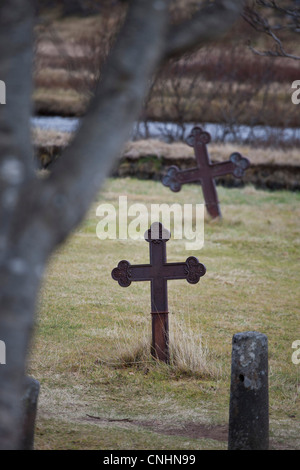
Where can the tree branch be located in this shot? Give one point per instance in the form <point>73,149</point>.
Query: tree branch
<point>262,24</point>
<point>277,51</point>
<point>208,24</point>
<point>84,165</point>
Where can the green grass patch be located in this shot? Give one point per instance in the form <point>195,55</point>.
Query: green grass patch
<point>91,349</point>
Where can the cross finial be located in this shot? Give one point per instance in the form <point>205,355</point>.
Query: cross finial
<point>157,232</point>
<point>198,133</point>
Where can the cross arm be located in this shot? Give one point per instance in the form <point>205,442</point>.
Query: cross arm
<point>191,270</point>
<point>170,179</point>
<point>174,177</point>
<point>125,273</point>
<point>236,165</point>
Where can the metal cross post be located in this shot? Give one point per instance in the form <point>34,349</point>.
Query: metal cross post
<point>205,171</point>
<point>158,272</point>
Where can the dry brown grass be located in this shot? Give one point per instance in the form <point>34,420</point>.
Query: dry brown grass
<point>251,284</point>
<point>180,150</point>
<point>224,83</point>
<point>188,353</point>
<point>46,138</point>
<point>218,152</point>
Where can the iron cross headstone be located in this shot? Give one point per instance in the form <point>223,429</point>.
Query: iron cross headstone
<point>205,171</point>
<point>158,272</point>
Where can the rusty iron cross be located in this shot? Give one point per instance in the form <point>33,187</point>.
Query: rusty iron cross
<point>158,272</point>
<point>205,171</point>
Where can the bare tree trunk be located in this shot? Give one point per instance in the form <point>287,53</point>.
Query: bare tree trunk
<point>18,287</point>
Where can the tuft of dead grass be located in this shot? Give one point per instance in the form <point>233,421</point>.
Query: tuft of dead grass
<point>188,354</point>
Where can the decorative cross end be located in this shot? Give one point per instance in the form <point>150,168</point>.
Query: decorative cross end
<point>198,135</point>
<point>194,270</point>
<point>170,179</point>
<point>241,164</point>
<point>122,273</point>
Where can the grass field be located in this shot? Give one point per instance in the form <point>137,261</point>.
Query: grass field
<point>99,387</point>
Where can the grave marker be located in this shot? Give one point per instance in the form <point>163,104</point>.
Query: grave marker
<point>205,171</point>
<point>158,272</point>
<point>249,396</point>
<point>29,410</point>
